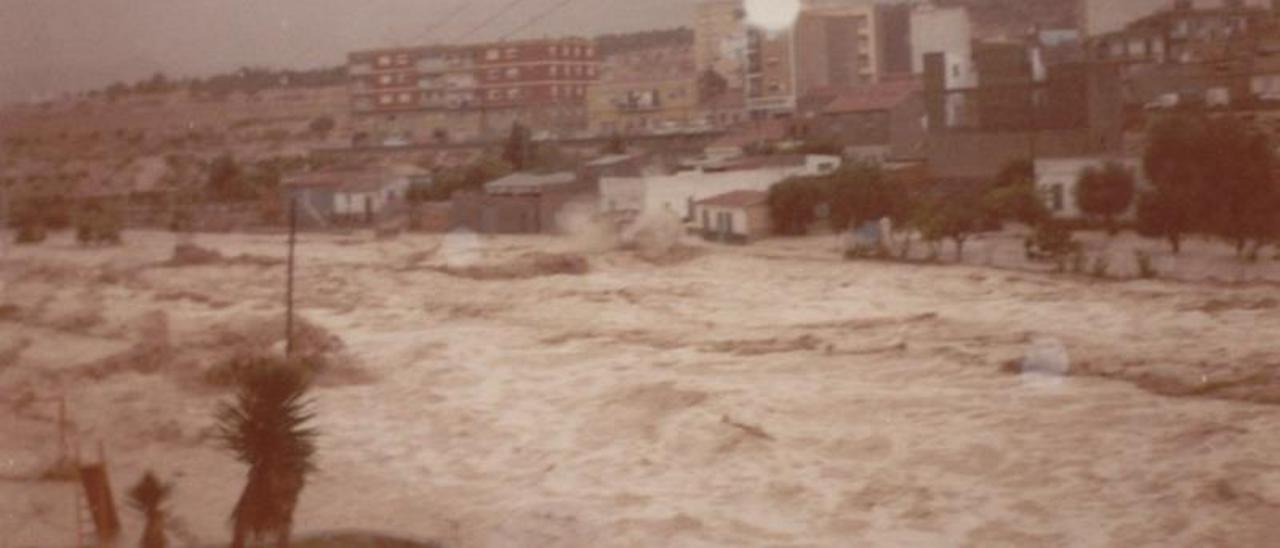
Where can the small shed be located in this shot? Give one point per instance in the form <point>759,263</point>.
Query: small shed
<point>741,216</point>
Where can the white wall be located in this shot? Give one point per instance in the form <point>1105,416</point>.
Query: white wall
<point>352,203</point>
<point>738,214</point>
<point>1063,174</point>
<point>673,192</point>
<point>935,29</point>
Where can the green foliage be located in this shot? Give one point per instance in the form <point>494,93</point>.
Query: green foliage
<point>229,181</point>
<point>449,181</point>
<point>148,496</point>
<point>1146,269</point>
<point>98,224</point>
<point>1051,240</point>
<point>955,216</point>
<point>711,85</point>
<point>266,427</point>
<point>1101,266</point>
<point>1012,196</point>
<point>1020,172</point>
<point>792,203</point>
<point>1106,192</point>
<point>518,150</point>
<point>1211,176</point>
<point>323,124</point>
<point>860,193</point>
<point>32,216</point>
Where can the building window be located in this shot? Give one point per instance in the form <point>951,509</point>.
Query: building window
<point>1056,197</point>
<point>495,94</point>
<point>384,60</point>
<point>513,73</point>
<point>405,98</point>
<point>491,55</point>
<point>511,53</point>
<point>385,79</point>
<point>402,59</point>
<point>384,99</point>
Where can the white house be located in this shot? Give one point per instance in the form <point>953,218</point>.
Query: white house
<point>680,192</point>
<point>367,197</point>
<point>1057,178</point>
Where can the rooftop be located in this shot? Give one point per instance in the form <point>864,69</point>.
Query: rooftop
<point>528,183</point>
<point>736,199</point>
<point>872,98</point>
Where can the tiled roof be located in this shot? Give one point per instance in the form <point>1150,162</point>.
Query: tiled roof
<point>736,199</point>
<point>872,98</point>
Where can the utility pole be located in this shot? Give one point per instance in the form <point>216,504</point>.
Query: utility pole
<point>288,306</point>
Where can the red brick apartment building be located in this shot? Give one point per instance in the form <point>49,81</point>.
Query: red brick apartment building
<point>474,90</point>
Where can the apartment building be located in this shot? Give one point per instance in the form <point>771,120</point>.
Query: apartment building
<point>478,90</point>
<point>720,40</point>
<point>1103,16</point>
<point>648,90</point>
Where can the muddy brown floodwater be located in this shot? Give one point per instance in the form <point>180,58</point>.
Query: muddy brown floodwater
<point>763,396</point>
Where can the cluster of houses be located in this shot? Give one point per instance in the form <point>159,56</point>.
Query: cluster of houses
<point>912,86</point>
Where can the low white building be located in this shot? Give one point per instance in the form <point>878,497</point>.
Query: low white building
<point>679,193</point>
<point>1057,178</point>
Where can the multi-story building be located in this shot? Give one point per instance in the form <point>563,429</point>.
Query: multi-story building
<point>940,30</point>
<point>770,73</point>
<point>645,91</point>
<point>1018,109</point>
<point>1103,16</point>
<point>474,91</point>
<point>836,47</point>
<point>720,40</point>
<point>1192,55</point>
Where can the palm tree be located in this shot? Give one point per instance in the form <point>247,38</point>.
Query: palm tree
<point>266,429</point>
<point>148,496</point>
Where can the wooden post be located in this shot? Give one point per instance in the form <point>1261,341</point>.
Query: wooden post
<point>288,307</point>
<point>62,432</point>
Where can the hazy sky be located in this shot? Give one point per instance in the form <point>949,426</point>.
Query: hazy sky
<point>51,46</point>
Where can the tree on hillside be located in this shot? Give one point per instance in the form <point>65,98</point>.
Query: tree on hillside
<point>792,203</point>
<point>266,427</point>
<point>449,181</point>
<point>148,496</point>
<point>1105,193</point>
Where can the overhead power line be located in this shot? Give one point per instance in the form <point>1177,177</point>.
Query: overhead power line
<point>537,19</point>
<point>471,32</point>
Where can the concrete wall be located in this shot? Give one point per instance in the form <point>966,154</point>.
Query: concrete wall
<point>353,203</point>
<point>748,223</point>
<point>939,30</point>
